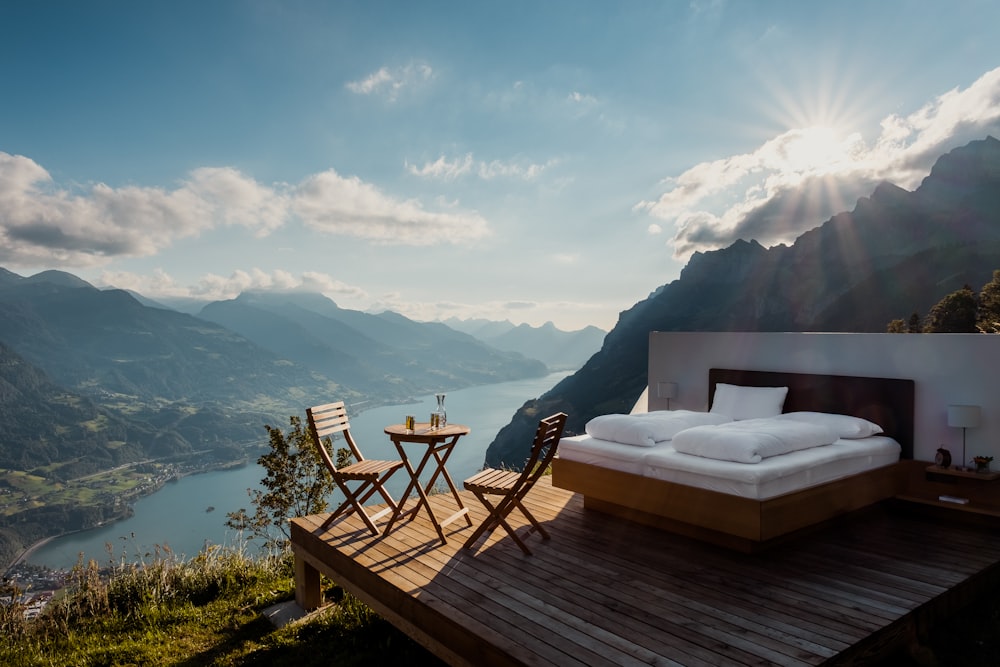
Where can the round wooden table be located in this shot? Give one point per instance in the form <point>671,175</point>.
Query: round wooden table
<point>436,444</point>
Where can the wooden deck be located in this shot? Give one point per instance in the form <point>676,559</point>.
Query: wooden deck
<point>607,592</point>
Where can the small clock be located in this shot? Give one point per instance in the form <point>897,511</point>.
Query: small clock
<point>943,457</point>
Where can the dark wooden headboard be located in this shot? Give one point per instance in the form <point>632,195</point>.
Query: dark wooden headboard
<point>886,401</point>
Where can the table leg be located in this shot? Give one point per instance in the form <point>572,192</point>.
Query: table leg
<point>447,448</point>
<point>414,482</point>
<point>423,493</point>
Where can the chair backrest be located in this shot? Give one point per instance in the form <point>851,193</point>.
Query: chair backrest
<point>328,420</point>
<point>543,449</point>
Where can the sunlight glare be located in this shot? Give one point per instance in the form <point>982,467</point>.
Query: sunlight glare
<point>819,150</point>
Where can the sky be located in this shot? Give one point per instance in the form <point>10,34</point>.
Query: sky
<point>531,161</point>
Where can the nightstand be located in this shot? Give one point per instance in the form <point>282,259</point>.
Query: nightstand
<point>968,474</point>
<point>924,483</point>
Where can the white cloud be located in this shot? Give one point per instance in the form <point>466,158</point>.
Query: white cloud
<point>236,199</point>
<point>443,168</point>
<point>498,169</point>
<point>582,98</point>
<point>800,178</point>
<point>212,287</point>
<point>19,176</point>
<point>43,224</point>
<point>707,7</point>
<point>372,82</point>
<point>155,284</point>
<point>338,205</point>
<point>451,169</point>
<point>314,281</point>
<point>391,82</point>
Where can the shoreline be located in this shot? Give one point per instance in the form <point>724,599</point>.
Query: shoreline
<point>29,550</point>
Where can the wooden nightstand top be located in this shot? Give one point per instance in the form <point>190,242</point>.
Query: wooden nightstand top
<point>970,474</point>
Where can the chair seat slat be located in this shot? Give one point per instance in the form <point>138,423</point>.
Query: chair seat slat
<point>493,479</point>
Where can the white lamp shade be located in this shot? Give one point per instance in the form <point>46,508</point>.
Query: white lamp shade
<point>666,390</point>
<point>963,416</point>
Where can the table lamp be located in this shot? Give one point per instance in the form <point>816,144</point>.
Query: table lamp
<point>963,417</point>
<point>666,390</point>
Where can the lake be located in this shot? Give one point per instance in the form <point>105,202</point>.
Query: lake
<point>177,515</point>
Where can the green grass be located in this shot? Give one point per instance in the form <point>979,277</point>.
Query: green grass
<point>95,425</point>
<point>206,611</point>
<point>25,482</point>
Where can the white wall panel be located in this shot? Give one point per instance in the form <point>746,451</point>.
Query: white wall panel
<point>948,369</point>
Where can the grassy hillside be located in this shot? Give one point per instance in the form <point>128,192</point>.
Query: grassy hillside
<point>206,611</point>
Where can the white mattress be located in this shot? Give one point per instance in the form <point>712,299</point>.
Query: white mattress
<point>607,454</point>
<point>771,477</point>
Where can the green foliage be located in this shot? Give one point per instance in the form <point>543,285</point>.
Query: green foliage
<point>13,623</point>
<point>955,313</point>
<point>296,484</point>
<point>962,311</point>
<point>205,611</point>
<point>989,305</point>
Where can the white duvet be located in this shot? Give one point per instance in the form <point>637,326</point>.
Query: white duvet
<point>752,440</point>
<point>647,429</point>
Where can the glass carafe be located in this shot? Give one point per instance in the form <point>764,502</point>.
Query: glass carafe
<point>442,415</point>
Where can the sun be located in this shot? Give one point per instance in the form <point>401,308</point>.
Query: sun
<point>817,118</point>
<point>819,149</point>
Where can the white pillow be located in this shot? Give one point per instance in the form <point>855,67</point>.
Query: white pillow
<point>748,402</point>
<point>845,426</point>
<point>648,428</point>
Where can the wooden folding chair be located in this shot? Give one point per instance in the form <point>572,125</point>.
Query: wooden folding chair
<point>367,476</point>
<point>512,486</point>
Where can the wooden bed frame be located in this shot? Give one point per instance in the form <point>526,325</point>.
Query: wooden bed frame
<point>744,523</point>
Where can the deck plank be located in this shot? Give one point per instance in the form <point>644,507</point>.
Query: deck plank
<point>604,591</point>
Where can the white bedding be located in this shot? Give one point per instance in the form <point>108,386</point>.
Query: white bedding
<point>771,477</point>
<point>648,428</point>
<point>777,475</point>
<point>752,440</point>
<point>607,454</point>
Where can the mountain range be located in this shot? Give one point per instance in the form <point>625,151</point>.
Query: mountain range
<point>561,350</point>
<point>384,355</point>
<point>155,382</point>
<point>896,253</point>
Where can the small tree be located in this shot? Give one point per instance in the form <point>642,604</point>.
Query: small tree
<point>989,305</point>
<point>913,325</point>
<point>956,313</point>
<point>296,484</point>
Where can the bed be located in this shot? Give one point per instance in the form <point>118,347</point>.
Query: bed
<point>750,506</point>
